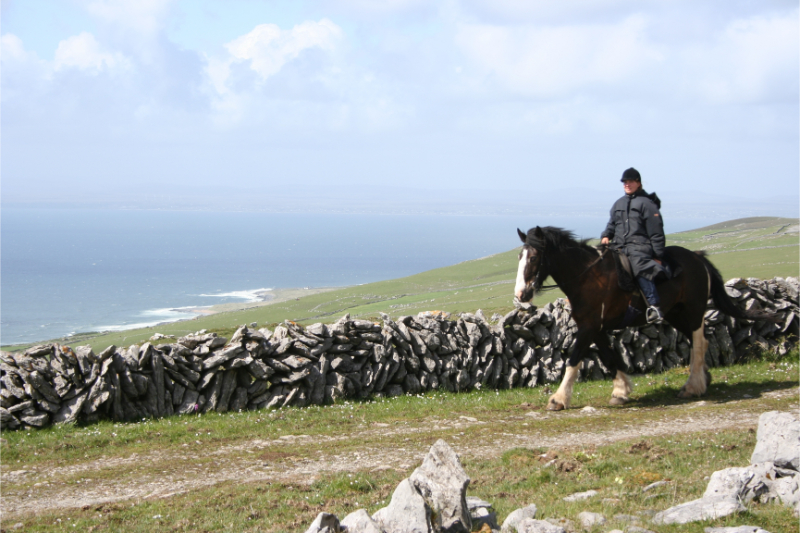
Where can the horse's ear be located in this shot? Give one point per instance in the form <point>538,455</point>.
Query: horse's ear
<point>538,232</point>
<point>522,236</point>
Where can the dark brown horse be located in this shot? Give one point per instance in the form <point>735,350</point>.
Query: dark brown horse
<point>590,280</point>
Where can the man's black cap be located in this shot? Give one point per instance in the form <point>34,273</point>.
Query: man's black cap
<point>631,174</point>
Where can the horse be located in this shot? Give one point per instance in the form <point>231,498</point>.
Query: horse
<point>589,279</point>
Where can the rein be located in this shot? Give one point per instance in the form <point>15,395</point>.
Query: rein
<point>579,276</point>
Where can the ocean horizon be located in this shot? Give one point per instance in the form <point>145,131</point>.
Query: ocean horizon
<point>69,271</point>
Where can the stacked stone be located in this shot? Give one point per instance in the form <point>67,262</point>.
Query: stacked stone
<point>323,363</point>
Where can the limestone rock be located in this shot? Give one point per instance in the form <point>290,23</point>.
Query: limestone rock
<point>34,418</point>
<point>324,523</point>
<point>70,410</point>
<point>737,529</point>
<point>565,523</point>
<point>744,483</point>
<point>578,496</point>
<point>512,521</point>
<point>481,513</point>
<point>442,482</point>
<point>787,490</point>
<point>589,520</point>
<point>530,525</point>
<point>8,420</point>
<point>709,508</point>
<point>778,440</point>
<point>407,511</point>
<point>360,522</point>
<point>637,529</point>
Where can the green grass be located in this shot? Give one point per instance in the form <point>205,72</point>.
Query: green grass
<point>485,283</point>
<point>516,479</point>
<point>201,445</point>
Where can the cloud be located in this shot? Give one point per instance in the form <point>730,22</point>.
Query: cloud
<point>556,61</point>
<point>264,52</point>
<point>547,11</point>
<point>751,60</point>
<point>82,51</point>
<point>268,48</point>
<point>12,49</point>
<point>144,17</point>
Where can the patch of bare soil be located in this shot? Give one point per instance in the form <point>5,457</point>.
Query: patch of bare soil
<point>31,491</point>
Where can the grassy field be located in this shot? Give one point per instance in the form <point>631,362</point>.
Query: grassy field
<point>275,470</point>
<point>761,247</point>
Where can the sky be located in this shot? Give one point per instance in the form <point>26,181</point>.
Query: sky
<point>318,104</point>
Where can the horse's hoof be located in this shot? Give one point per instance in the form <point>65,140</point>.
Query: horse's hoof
<point>554,405</point>
<point>685,395</point>
<point>615,400</point>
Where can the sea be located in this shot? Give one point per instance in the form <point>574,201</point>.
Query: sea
<point>68,271</point>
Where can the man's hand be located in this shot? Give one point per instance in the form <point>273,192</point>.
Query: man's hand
<point>604,240</point>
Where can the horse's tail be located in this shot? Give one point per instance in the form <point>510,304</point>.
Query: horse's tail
<point>724,302</point>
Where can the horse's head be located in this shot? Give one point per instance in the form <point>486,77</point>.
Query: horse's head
<point>529,269</point>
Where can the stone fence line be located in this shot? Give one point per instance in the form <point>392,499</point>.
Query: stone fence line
<point>351,358</point>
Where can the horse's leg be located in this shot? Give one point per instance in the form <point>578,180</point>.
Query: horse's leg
<point>612,360</point>
<point>561,399</point>
<point>622,389</point>
<point>694,310</point>
<point>699,376</point>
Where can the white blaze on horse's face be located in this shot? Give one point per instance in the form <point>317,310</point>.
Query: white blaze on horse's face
<point>520,285</point>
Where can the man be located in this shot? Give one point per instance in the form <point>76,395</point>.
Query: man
<point>637,229</point>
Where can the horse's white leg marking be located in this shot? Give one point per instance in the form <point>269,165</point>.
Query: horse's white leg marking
<point>563,396</point>
<point>696,384</point>
<point>520,286</point>
<point>622,387</point>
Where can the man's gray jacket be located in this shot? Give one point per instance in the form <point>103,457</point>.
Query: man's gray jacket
<point>637,228</point>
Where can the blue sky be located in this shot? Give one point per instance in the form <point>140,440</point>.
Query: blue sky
<point>201,103</point>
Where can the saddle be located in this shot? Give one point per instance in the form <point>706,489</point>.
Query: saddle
<point>624,271</point>
<point>625,277</point>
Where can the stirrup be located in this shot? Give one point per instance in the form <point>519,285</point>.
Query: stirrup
<point>653,315</point>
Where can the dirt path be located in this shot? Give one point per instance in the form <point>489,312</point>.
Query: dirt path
<point>30,491</point>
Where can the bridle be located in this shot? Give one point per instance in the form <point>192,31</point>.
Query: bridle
<point>539,278</point>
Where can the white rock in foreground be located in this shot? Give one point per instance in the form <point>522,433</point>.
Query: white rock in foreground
<point>737,529</point>
<point>407,512</point>
<point>360,522</point>
<point>324,523</point>
<point>778,440</point>
<point>588,519</point>
<point>746,483</point>
<point>442,482</point>
<point>512,521</point>
<point>529,525</point>
<point>581,496</point>
<point>709,508</point>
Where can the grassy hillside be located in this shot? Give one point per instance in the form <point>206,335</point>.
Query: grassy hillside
<point>762,247</point>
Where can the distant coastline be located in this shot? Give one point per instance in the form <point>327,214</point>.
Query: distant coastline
<point>266,297</point>
<point>256,298</point>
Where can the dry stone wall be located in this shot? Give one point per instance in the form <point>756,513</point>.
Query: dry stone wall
<point>323,363</point>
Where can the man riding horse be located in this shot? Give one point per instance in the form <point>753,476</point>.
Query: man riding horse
<point>601,304</point>
<point>637,229</point>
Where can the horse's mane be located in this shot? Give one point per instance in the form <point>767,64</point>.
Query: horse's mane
<point>556,239</point>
